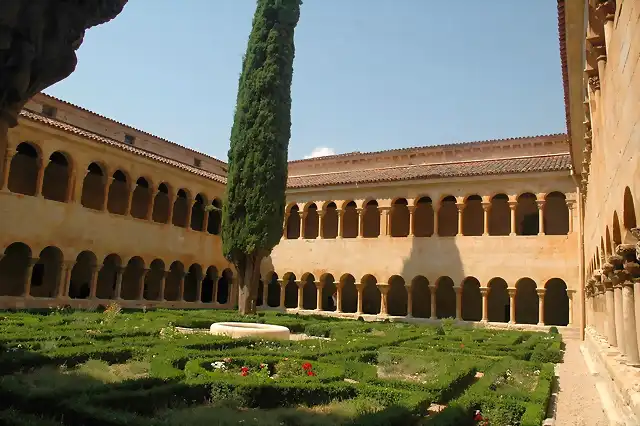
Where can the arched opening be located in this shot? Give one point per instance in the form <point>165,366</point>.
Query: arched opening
<point>82,275</point>
<point>629,210</point>
<point>273,290</point>
<point>290,291</point>
<point>309,292</point>
<point>500,215</point>
<point>311,222</point>
<point>47,273</point>
<point>154,280</point>
<point>616,234</point>
<point>141,199</point>
<point>499,302</point>
<point>56,179</point>
<point>420,297</point>
<point>181,210</point>
<point>423,218</point>
<point>330,221</point>
<point>174,282</point>
<point>556,303</point>
<point>23,173</point>
<point>191,283</point>
<point>350,220</point>
<point>329,292</point>
<point>397,298</point>
<point>527,217</point>
<point>223,291</point>
<point>471,299</point>
<point>349,293</point>
<point>118,194</point>
<point>371,218</point>
<point>215,217</point>
<point>14,269</point>
<point>197,213</point>
<point>370,295</point>
<point>107,277</point>
<point>132,279</point>
<point>473,216</point>
<point>209,285</point>
<point>526,302</point>
<point>445,298</point>
<point>399,218</point>
<point>93,188</point>
<point>448,217</point>
<point>556,214</point>
<point>161,204</point>
<point>293,223</point>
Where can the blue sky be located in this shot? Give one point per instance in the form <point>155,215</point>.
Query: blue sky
<point>368,74</point>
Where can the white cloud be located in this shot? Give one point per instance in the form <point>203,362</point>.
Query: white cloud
<point>321,151</point>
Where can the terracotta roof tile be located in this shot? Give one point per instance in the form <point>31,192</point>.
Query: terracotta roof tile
<point>542,163</point>
<point>107,141</point>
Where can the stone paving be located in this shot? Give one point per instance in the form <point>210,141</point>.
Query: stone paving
<point>578,402</point>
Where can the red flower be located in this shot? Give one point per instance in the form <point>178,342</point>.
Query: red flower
<point>462,345</point>
<point>244,373</point>
<point>245,369</point>
<point>310,373</point>
<point>306,366</point>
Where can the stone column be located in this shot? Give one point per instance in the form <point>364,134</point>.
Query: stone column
<point>619,324</point>
<point>141,283</point>
<point>433,289</point>
<point>339,287</point>
<point>214,293</point>
<point>360,288</point>
<point>283,286</point>
<point>303,222</point>
<point>360,222</point>
<point>118,289</point>
<point>27,277</point>
<point>384,221</point>
<point>300,285</point>
<point>199,288</point>
<point>484,291</point>
<point>170,215</point>
<point>7,167</point>
<point>163,283</point>
<point>319,287</point>
<point>485,208</point>
<point>412,210</point>
<point>105,195</point>
<point>65,282</point>
<point>570,296</point>
<point>40,177</point>
<point>570,205</point>
<point>150,201</point>
<point>127,211</point>
<point>68,195</point>
<point>384,299</point>
<point>629,318</point>
<point>320,223</point>
<point>205,221</point>
<point>339,212</point>
<point>610,313</point>
<point>93,286</point>
<point>512,207</point>
<point>541,292</point>
<point>183,275</point>
<point>409,300</point>
<point>540,204</point>
<point>458,291</point>
<point>512,305</point>
<point>190,203</point>
<point>435,222</point>
<point>460,207</point>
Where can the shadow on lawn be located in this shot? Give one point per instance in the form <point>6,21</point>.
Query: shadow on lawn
<point>47,395</point>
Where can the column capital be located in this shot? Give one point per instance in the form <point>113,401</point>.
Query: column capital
<point>457,289</point>
<point>540,203</point>
<point>512,204</point>
<point>359,286</point>
<point>299,283</point>
<point>460,206</point>
<point>383,287</point>
<point>319,284</point>
<point>486,206</point>
<point>541,291</point>
<point>606,9</point>
<point>511,291</point>
<point>570,204</point>
<point>484,291</point>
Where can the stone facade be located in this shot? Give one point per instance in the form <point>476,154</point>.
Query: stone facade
<point>601,70</point>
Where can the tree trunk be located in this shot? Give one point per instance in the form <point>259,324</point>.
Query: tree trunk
<point>4,143</point>
<point>248,281</point>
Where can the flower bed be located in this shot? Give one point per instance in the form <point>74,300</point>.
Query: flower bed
<point>78,368</point>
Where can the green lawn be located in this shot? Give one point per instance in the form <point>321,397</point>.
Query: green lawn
<point>132,368</point>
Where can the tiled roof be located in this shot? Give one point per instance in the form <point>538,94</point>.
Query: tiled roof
<point>536,138</point>
<point>107,141</point>
<point>130,127</point>
<point>542,163</point>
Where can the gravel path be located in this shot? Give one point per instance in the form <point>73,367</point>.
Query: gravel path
<point>578,400</point>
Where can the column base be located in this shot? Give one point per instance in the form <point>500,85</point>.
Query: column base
<point>512,234</point>
<point>511,322</point>
<point>540,324</point>
<point>484,321</point>
<point>433,318</point>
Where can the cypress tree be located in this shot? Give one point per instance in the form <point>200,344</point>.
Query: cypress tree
<point>253,213</point>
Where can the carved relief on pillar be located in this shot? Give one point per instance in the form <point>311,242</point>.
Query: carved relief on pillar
<point>635,232</point>
<point>594,83</point>
<point>606,10</point>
